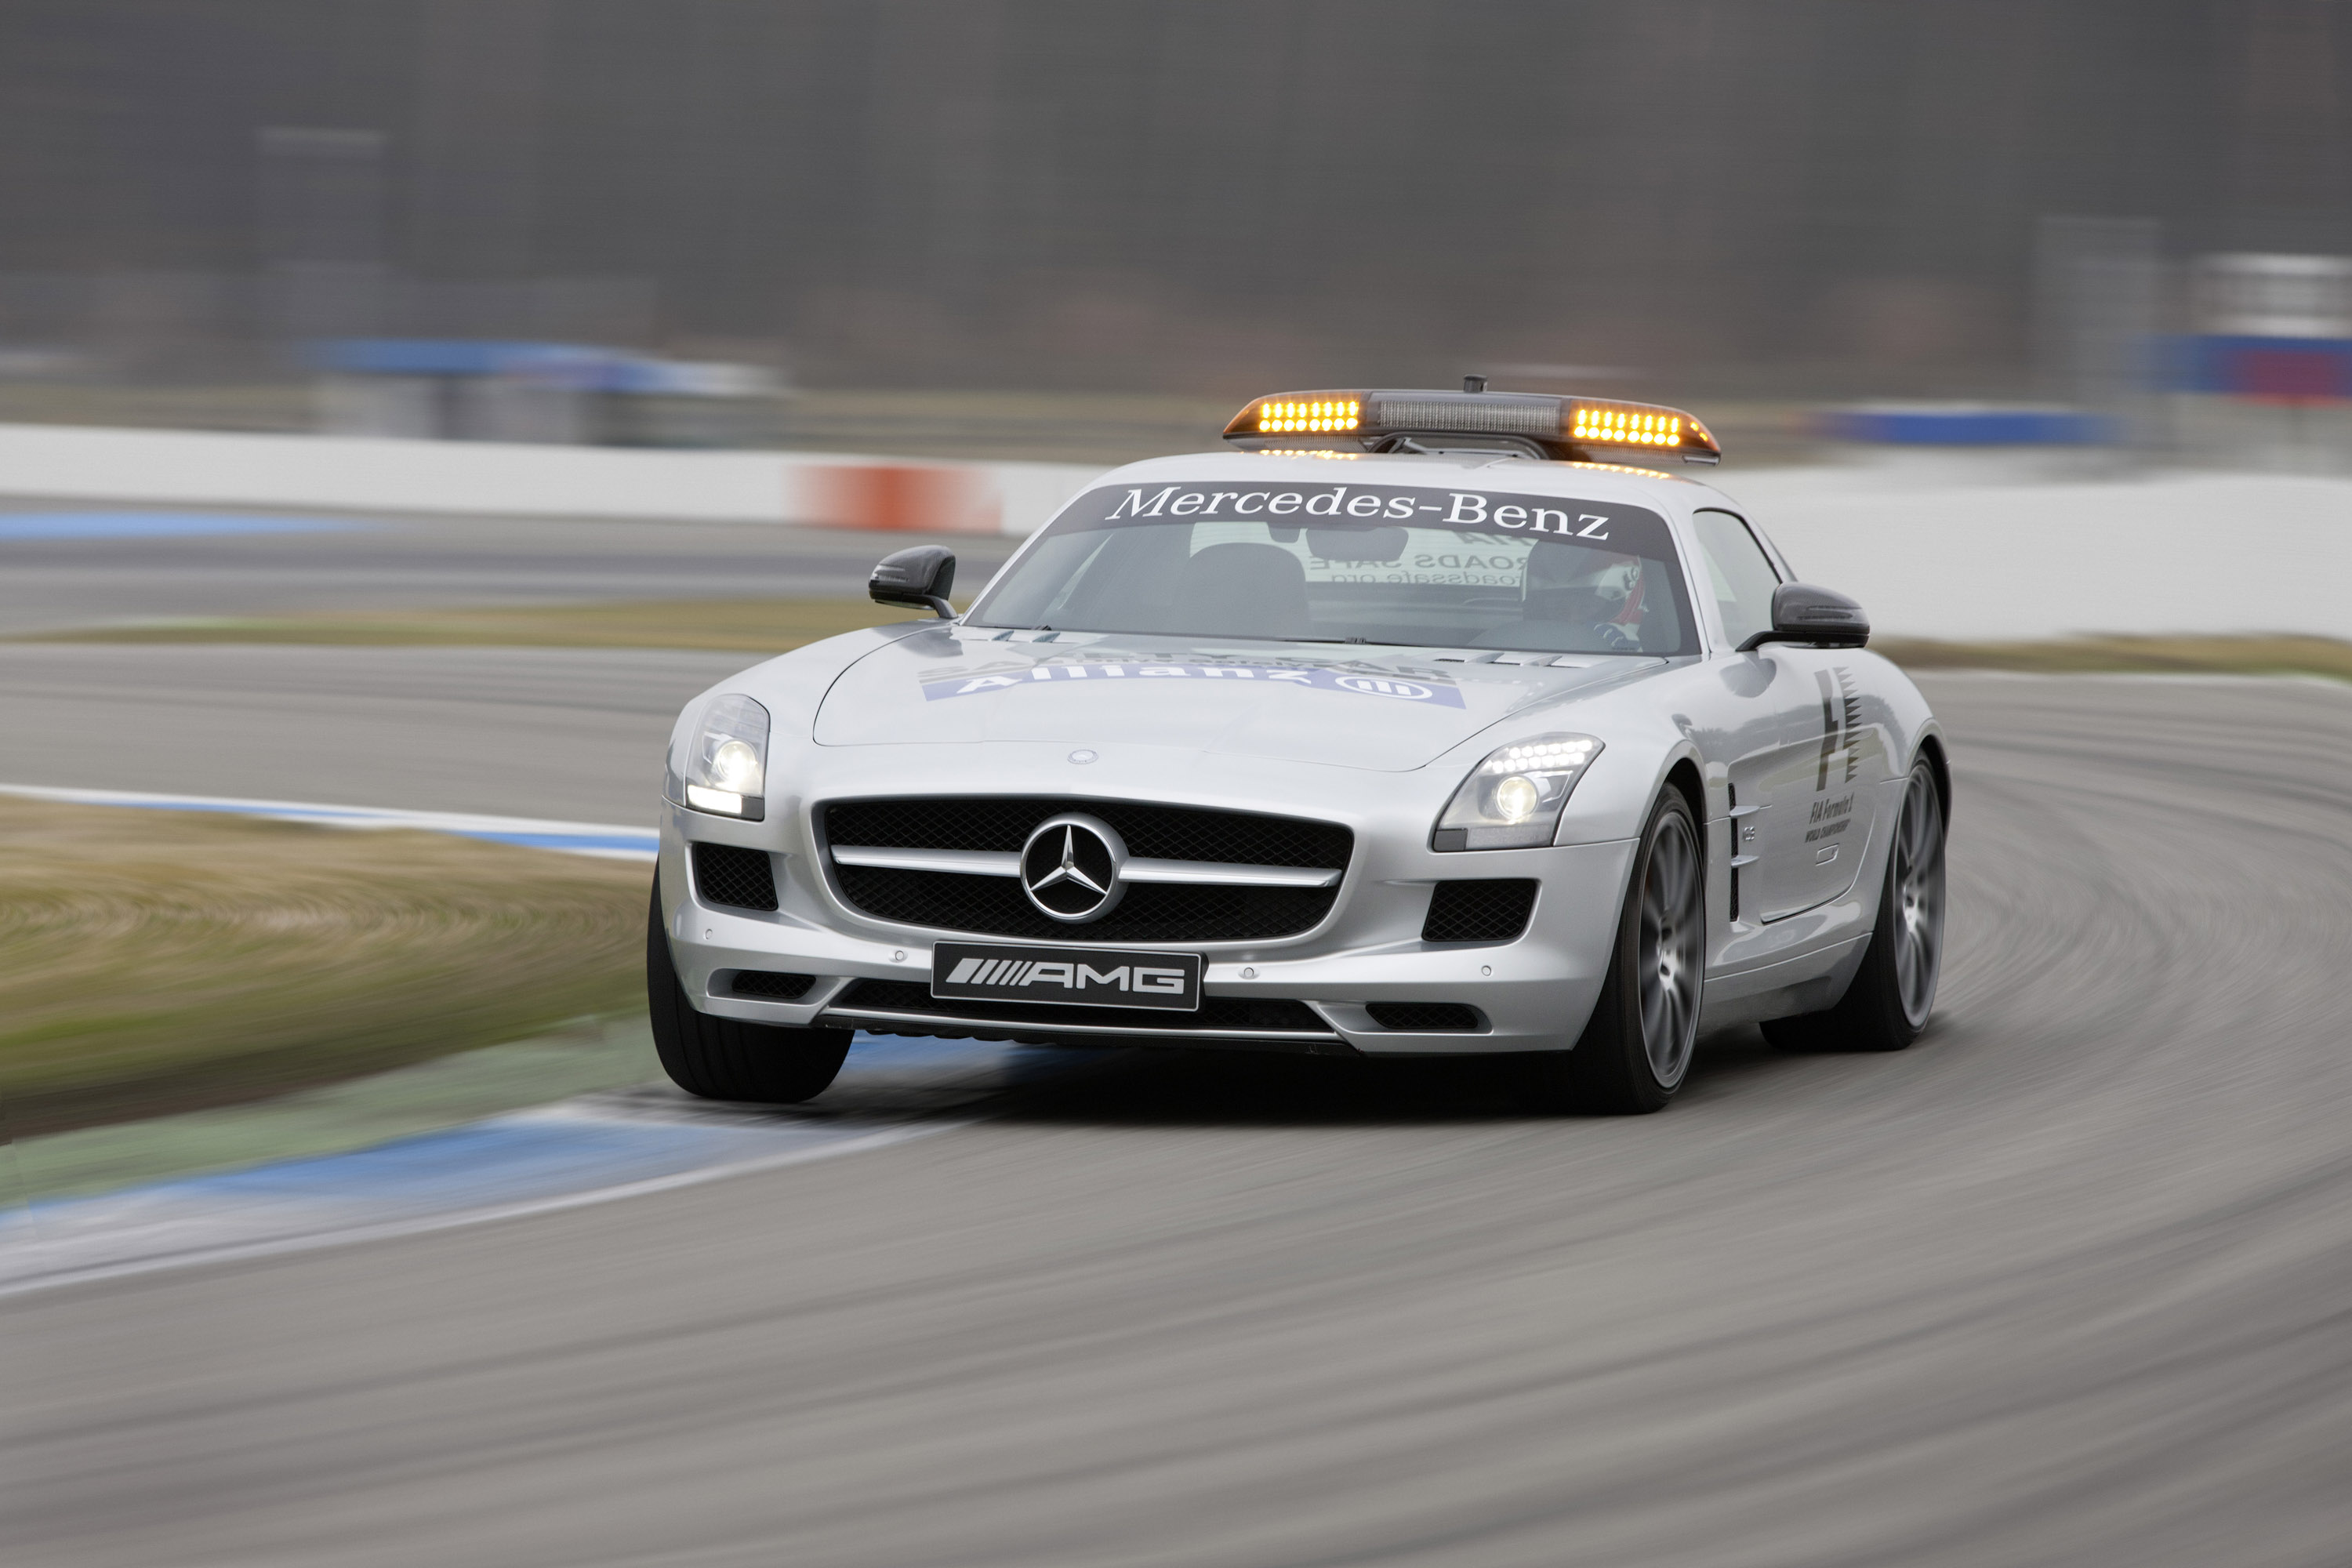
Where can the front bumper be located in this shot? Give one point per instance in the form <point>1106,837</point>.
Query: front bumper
<point>1534,992</point>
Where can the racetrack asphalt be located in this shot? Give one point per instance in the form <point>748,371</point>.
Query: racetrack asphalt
<point>59,577</point>
<point>64,579</point>
<point>2069,1281</point>
<point>515,732</point>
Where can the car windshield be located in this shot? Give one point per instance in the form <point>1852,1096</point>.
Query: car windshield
<point>1353,563</point>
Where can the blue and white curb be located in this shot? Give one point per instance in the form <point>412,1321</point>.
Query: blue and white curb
<point>600,839</point>
<point>535,1162</point>
<point>597,1149</point>
<point>593,1149</point>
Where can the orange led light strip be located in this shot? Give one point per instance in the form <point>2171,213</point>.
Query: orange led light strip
<point>1620,428</point>
<point>1275,418</point>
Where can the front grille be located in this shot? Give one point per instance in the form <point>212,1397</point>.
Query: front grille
<point>1483,911</point>
<point>1151,911</point>
<point>740,878</point>
<point>771,983</point>
<point>1152,832</point>
<point>1217,1015</point>
<point>1425,1018</point>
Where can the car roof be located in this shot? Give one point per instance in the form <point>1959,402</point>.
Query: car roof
<point>1661,492</point>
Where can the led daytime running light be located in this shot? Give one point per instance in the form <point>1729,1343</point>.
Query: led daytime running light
<point>1546,756</point>
<point>726,768</point>
<point>1514,797</point>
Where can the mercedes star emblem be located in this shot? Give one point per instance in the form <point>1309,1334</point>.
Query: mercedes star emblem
<point>1070,868</point>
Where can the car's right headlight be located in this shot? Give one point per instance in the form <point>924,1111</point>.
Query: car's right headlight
<point>726,770</point>
<point>1514,798</point>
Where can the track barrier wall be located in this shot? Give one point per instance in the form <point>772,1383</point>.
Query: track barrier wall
<point>482,477</point>
<point>1938,544</point>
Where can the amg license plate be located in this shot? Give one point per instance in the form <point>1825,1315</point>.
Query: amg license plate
<point>994,973</point>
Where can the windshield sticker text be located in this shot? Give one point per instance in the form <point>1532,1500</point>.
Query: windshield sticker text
<point>1434,691</point>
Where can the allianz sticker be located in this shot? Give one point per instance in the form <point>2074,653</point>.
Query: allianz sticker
<point>1433,689</point>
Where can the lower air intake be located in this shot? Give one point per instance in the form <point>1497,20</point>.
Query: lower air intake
<point>1426,1017</point>
<point>1482,910</point>
<point>739,878</point>
<point>771,984</point>
<point>1236,1014</point>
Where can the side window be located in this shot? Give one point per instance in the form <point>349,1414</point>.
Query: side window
<point>1740,574</point>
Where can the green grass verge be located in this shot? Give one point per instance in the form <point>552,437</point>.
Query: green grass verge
<point>591,1054</point>
<point>2161,654</point>
<point>159,962</point>
<point>735,625</point>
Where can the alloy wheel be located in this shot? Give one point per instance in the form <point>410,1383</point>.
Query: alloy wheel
<point>1918,897</point>
<point>1671,953</point>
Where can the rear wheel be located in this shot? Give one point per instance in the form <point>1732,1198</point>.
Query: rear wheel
<point>1894,990</point>
<point>1636,1050</point>
<point>725,1059</point>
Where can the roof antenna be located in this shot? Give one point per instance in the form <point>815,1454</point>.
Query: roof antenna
<point>1474,383</point>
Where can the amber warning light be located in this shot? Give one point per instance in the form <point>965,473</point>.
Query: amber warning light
<point>1277,416</point>
<point>1614,424</point>
<point>1537,424</point>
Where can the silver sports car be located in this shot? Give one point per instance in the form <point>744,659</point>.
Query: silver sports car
<point>1401,727</point>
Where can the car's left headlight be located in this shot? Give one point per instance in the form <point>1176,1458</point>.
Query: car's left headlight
<point>726,770</point>
<point>1514,798</point>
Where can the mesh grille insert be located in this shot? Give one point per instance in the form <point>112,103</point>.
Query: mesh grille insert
<point>1482,910</point>
<point>1154,911</point>
<point>741,878</point>
<point>1216,1014</point>
<point>1425,1018</point>
<point>771,983</point>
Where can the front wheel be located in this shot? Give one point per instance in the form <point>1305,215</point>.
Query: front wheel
<point>1894,990</point>
<point>726,1058</point>
<point>1636,1050</point>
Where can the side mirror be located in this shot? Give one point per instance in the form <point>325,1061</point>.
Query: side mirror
<point>918,578</point>
<point>1804,614</point>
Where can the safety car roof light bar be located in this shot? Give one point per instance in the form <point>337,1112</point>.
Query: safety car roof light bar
<point>1383,419</point>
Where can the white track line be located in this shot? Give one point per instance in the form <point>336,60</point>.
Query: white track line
<point>420,1225</point>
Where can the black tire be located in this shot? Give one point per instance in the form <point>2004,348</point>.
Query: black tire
<point>1894,991</point>
<point>724,1058</point>
<point>1636,1049</point>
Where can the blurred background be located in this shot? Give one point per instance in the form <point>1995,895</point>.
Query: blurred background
<point>1087,230</point>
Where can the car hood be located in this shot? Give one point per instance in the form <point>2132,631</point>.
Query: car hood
<point>1376,709</point>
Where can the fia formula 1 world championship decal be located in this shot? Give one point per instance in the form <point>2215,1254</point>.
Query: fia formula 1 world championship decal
<point>1425,689</point>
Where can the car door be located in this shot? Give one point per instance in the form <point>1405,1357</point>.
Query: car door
<point>1830,795</point>
<point>1771,756</point>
